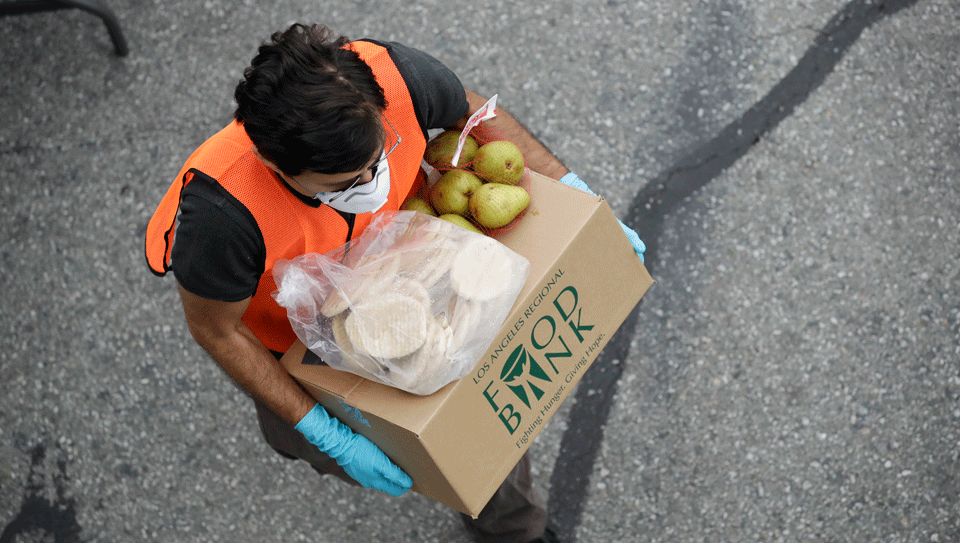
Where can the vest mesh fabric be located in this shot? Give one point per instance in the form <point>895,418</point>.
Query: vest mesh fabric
<point>289,227</point>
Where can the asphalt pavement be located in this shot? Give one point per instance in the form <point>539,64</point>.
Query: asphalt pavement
<point>793,375</point>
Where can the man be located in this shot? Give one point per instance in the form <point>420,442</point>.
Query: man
<point>326,133</point>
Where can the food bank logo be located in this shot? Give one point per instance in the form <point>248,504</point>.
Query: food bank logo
<point>520,373</point>
<point>532,371</point>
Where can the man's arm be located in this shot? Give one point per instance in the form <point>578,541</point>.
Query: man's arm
<point>537,157</point>
<point>217,327</point>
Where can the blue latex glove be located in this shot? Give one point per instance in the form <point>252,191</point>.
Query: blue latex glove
<point>357,455</point>
<point>572,180</point>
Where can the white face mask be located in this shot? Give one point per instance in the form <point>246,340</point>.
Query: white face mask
<point>366,198</point>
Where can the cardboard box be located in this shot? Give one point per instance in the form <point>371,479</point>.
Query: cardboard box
<point>460,443</point>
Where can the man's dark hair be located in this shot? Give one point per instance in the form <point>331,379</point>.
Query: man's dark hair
<point>309,104</point>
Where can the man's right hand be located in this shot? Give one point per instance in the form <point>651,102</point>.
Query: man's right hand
<point>217,326</point>
<point>358,456</point>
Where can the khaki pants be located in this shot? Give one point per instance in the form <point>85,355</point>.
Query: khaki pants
<point>515,514</point>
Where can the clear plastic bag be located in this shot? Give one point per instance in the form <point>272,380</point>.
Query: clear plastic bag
<point>411,303</point>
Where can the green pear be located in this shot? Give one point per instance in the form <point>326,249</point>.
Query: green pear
<point>494,205</point>
<point>499,162</point>
<point>451,193</point>
<point>460,221</point>
<point>440,150</point>
<point>415,203</point>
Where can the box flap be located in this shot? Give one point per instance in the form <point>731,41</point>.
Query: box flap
<point>411,411</point>
<point>304,365</point>
<point>407,410</point>
<point>554,218</point>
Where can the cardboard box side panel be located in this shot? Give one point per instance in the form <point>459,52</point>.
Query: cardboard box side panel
<point>338,382</point>
<point>621,266</point>
<point>559,329</point>
<point>474,471</point>
<point>476,457</point>
<point>553,220</point>
<point>399,444</point>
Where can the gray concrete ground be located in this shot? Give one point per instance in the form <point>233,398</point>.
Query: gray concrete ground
<point>794,375</point>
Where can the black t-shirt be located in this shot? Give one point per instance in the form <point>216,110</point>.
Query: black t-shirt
<point>218,252</point>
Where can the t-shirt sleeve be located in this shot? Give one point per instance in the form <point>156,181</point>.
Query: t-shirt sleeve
<point>218,252</point>
<point>439,99</point>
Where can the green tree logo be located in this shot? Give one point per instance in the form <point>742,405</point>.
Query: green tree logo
<point>518,372</point>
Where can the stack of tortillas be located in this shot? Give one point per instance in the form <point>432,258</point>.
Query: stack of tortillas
<point>400,315</point>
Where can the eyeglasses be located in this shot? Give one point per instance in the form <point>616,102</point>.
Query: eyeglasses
<point>372,169</point>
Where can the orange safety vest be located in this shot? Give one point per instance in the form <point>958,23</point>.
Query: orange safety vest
<point>289,227</point>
